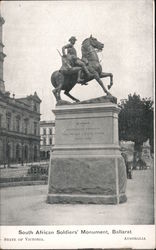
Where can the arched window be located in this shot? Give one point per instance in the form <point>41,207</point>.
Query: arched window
<point>35,128</point>
<point>35,153</point>
<point>50,141</point>
<point>26,153</point>
<point>26,124</point>
<point>0,120</point>
<point>35,107</point>
<point>1,151</point>
<point>8,121</point>
<point>44,141</point>
<point>18,124</point>
<point>17,153</point>
<point>8,153</point>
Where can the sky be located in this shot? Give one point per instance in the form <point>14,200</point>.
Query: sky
<point>34,30</point>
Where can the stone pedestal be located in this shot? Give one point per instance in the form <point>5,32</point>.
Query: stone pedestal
<point>86,165</point>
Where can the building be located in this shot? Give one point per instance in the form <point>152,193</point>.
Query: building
<point>2,56</point>
<point>19,129</point>
<point>47,134</point>
<point>19,122</point>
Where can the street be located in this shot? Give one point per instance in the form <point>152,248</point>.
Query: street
<point>26,205</point>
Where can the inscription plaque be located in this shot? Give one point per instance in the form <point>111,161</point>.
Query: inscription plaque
<point>85,131</point>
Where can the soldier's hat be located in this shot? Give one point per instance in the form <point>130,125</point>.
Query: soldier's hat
<point>73,38</point>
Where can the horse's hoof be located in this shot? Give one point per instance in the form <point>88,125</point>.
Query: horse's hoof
<point>77,101</point>
<point>109,94</point>
<point>109,86</point>
<point>84,83</point>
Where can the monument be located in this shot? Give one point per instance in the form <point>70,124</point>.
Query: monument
<point>86,165</point>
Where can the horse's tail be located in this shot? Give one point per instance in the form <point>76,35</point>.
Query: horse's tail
<point>54,78</point>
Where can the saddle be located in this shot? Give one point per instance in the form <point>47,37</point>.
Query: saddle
<point>69,61</point>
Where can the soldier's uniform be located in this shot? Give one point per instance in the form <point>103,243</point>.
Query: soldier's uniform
<point>70,60</point>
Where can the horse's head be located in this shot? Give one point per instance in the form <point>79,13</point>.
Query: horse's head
<point>89,46</point>
<point>95,43</point>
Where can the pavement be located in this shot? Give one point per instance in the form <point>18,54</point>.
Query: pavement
<point>26,205</point>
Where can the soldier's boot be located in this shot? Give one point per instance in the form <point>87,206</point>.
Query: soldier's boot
<point>79,79</point>
<point>89,75</point>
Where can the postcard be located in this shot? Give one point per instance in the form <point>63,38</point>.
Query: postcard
<point>77,159</point>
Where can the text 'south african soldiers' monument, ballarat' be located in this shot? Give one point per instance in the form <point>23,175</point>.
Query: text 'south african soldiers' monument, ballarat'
<point>86,164</point>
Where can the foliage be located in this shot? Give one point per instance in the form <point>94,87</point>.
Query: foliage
<point>136,120</point>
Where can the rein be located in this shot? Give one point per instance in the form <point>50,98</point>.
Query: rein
<point>95,50</point>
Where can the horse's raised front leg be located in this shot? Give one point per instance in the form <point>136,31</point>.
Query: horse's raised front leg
<point>97,78</point>
<point>69,95</point>
<point>103,75</point>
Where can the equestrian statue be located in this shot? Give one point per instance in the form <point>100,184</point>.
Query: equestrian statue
<point>75,70</point>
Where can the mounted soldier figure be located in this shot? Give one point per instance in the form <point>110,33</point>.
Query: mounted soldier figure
<point>73,68</point>
<point>71,62</point>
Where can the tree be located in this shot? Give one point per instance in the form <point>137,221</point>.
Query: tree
<point>136,120</point>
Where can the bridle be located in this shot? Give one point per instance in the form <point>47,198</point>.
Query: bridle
<point>95,50</point>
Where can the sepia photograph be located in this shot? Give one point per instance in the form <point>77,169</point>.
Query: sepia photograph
<point>77,102</point>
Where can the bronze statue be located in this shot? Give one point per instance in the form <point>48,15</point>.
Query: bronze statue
<point>71,71</point>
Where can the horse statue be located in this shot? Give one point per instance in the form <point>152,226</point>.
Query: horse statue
<point>89,49</point>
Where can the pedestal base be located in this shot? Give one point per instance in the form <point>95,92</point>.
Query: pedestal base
<point>86,164</point>
<point>85,199</point>
<point>87,180</point>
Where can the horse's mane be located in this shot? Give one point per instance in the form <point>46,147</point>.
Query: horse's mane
<point>84,46</point>
<point>85,41</point>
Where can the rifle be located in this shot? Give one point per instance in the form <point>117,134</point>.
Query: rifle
<point>59,53</point>
<point>64,60</point>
